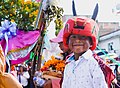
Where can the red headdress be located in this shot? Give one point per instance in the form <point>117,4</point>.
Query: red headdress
<point>82,26</point>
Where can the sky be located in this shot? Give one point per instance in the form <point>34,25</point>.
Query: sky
<point>86,7</point>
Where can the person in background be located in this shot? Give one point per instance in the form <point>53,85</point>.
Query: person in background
<point>65,52</point>
<point>38,80</point>
<point>23,76</point>
<point>30,80</point>
<point>13,71</point>
<point>80,36</point>
<point>59,39</point>
<point>117,71</point>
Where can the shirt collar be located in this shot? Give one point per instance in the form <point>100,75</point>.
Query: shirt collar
<point>87,54</point>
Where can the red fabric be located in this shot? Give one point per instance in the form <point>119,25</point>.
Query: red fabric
<point>55,83</point>
<point>109,76</point>
<point>20,60</point>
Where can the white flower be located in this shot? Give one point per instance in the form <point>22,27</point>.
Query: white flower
<point>45,3</point>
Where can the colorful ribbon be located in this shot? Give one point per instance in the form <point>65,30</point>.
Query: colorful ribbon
<point>7,30</point>
<point>114,61</point>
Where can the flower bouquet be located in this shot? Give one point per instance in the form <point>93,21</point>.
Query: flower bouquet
<point>53,67</point>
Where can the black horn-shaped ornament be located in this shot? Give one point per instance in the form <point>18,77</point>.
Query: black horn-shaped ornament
<point>73,8</point>
<point>94,16</point>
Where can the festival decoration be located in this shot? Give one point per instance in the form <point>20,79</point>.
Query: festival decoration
<point>107,56</point>
<point>18,19</point>
<point>22,41</point>
<point>7,30</point>
<point>54,65</point>
<point>20,60</point>
<point>27,15</point>
<point>48,11</point>
<point>19,46</point>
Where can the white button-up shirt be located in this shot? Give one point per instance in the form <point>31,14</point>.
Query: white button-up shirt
<point>83,73</point>
<point>24,78</point>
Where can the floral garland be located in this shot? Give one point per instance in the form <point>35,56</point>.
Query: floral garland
<point>54,65</point>
<point>53,10</point>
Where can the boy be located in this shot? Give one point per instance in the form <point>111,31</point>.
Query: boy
<point>80,35</point>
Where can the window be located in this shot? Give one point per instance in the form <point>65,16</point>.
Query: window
<point>110,46</point>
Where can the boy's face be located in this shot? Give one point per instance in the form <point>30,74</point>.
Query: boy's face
<point>79,44</point>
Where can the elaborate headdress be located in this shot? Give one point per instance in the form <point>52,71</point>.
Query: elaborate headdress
<point>83,26</point>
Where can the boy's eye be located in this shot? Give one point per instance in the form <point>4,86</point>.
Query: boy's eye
<point>83,37</point>
<point>73,36</point>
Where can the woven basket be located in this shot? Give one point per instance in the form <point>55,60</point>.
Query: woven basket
<point>52,73</point>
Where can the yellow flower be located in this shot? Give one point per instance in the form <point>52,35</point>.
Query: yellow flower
<point>12,20</point>
<point>12,3</point>
<point>10,14</point>
<point>35,12</point>
<point>22,2</point>
<point>27,9</point>
<point>21,10</point>
<point>28,2</point>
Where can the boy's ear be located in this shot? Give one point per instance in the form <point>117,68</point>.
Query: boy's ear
<point>67,41</point>
<point>90,40</point>
<point>91,43</point>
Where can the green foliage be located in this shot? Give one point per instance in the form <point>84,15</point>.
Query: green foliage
<point>22,13</point>
<point>57,13</point>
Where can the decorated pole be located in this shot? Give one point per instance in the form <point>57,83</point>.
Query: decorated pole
<point>40,25</point>
<point>48,10</point>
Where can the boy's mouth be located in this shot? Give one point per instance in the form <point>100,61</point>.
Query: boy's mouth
<point>78,44</point>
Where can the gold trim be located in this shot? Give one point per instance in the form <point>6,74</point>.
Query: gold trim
<point>17,50</point>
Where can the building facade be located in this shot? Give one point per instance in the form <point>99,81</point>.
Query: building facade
<point>111,42</point>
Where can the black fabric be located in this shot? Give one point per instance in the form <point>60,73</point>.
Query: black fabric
<point>64,55</point>
<point>19,78</point>
<point>30,80</point>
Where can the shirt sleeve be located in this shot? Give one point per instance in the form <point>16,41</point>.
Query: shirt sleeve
<point>26,75</point>
<point>97,75</point>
